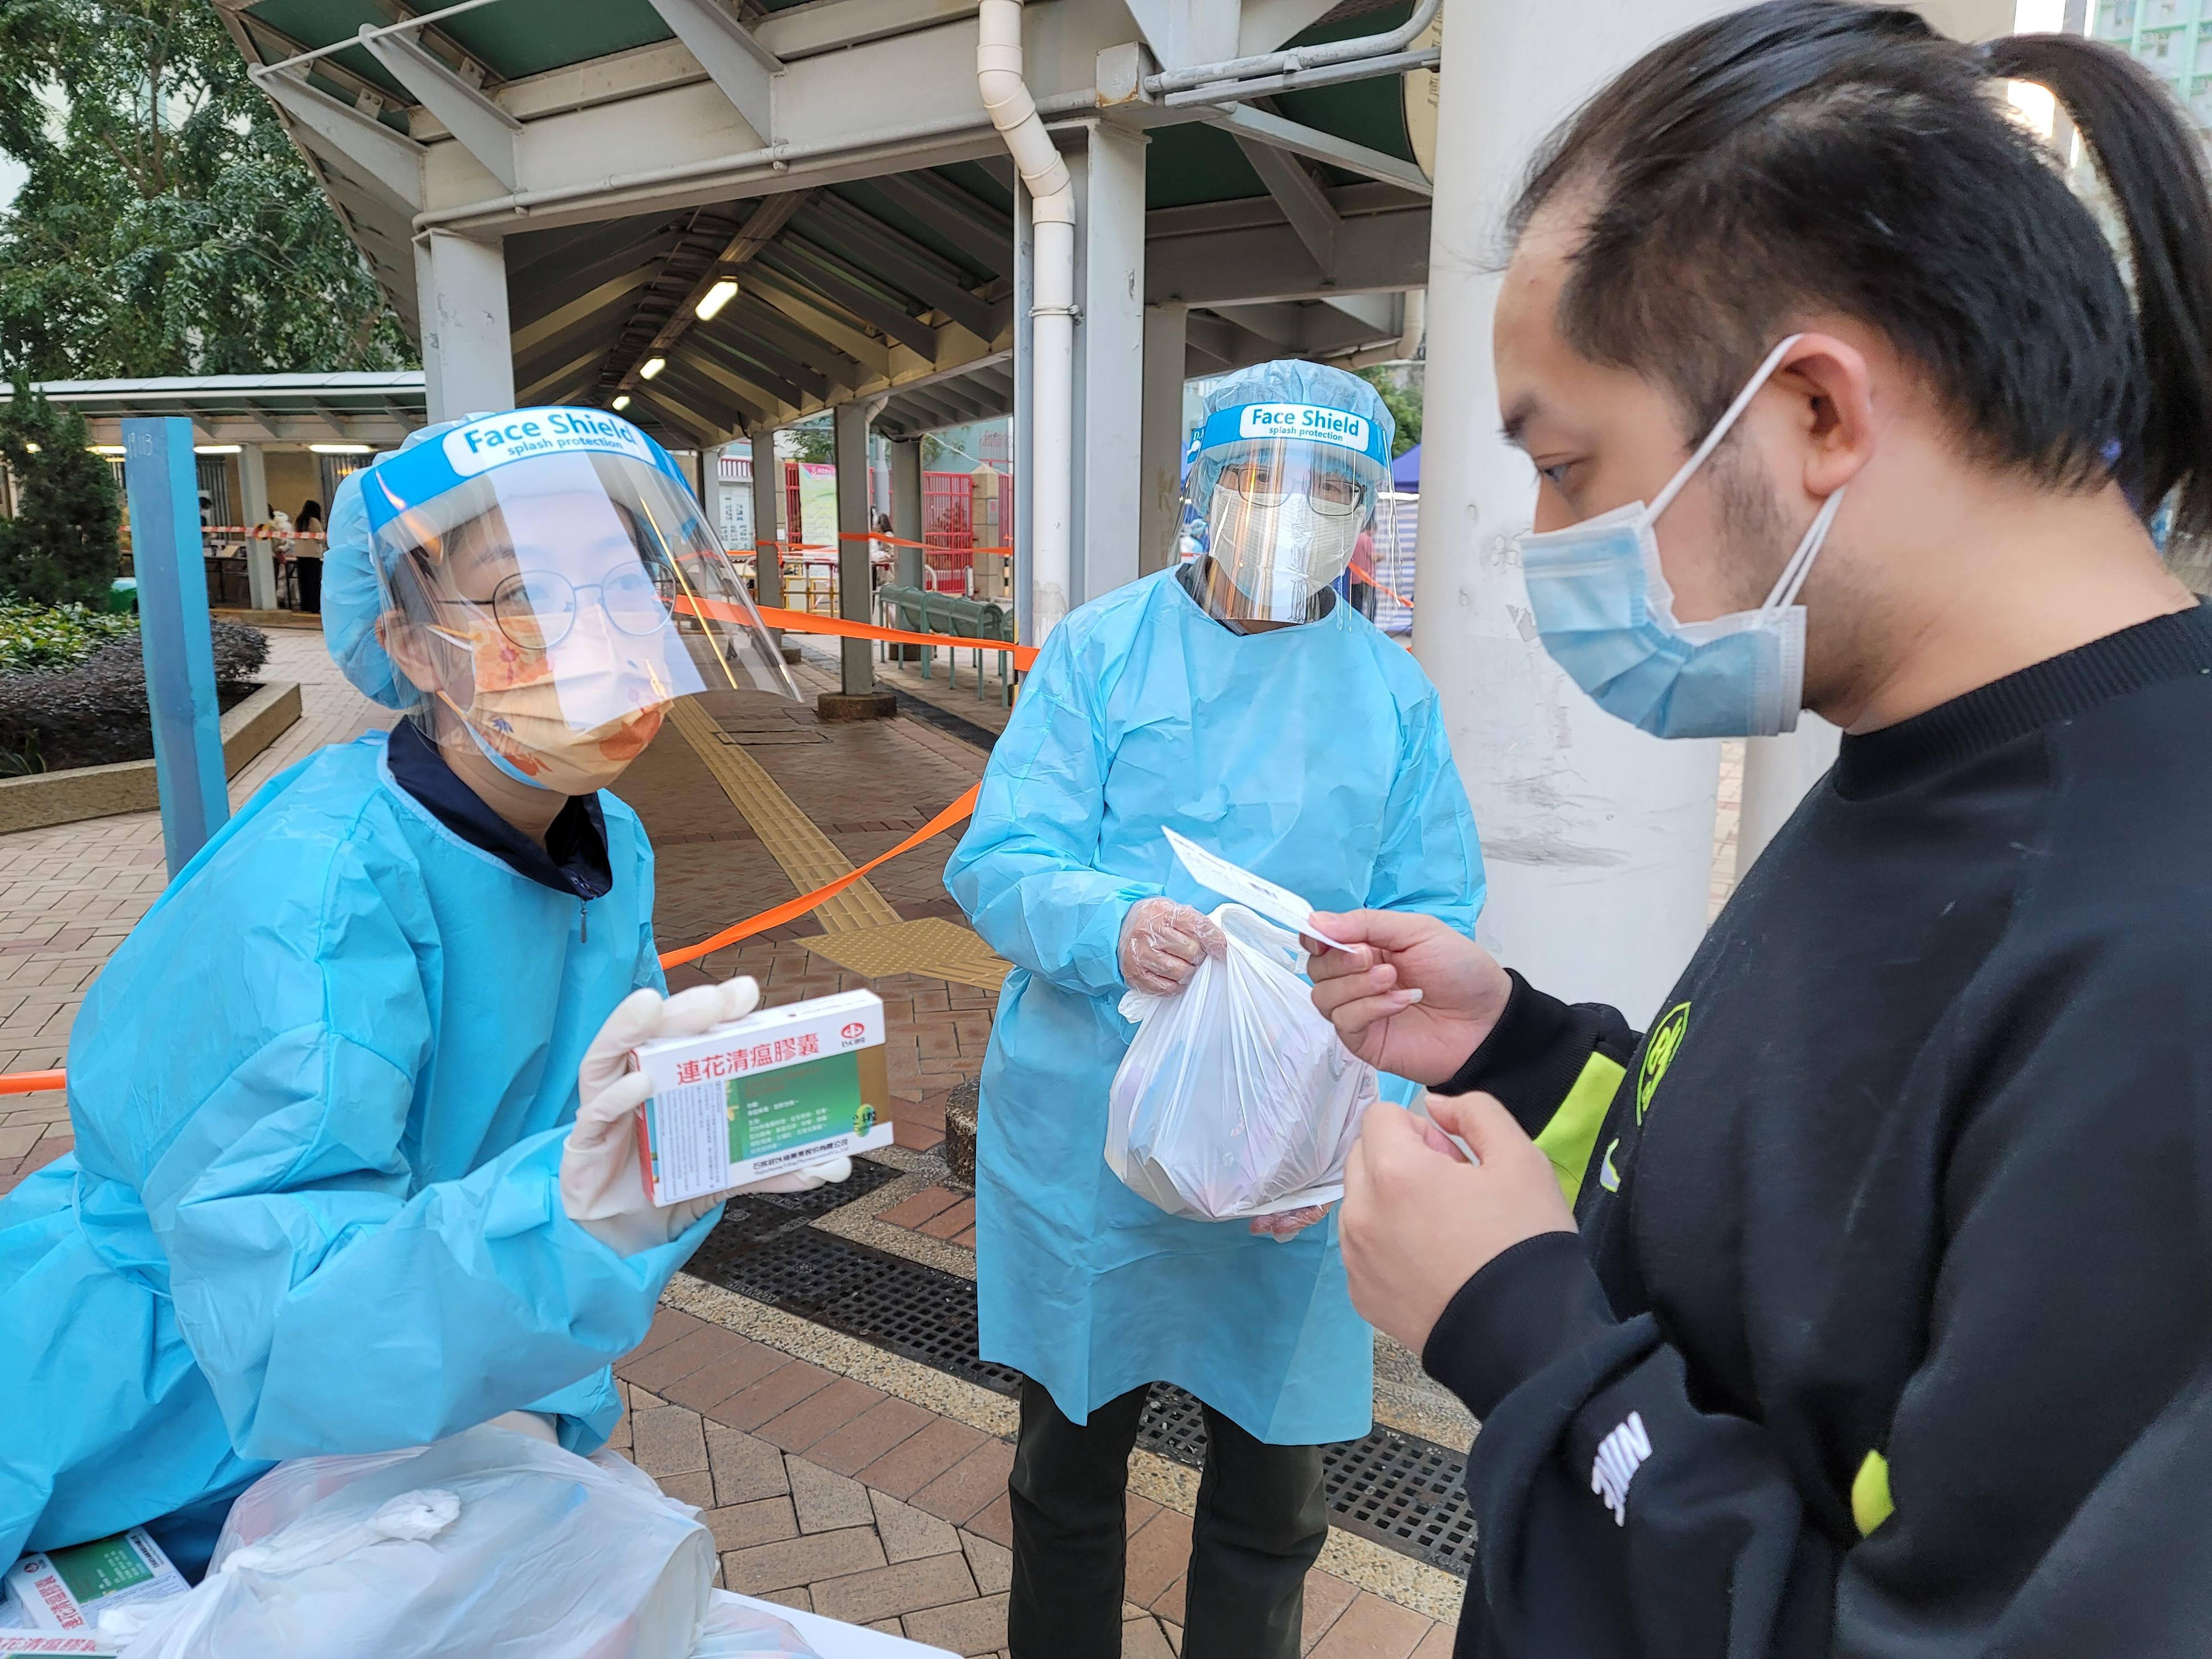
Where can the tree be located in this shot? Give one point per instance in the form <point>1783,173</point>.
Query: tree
<point>167,226</point>
<point>810,441</point>
<point>60,547</point>
<point>1399,385</point>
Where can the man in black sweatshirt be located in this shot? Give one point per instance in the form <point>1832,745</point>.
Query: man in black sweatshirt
<point>1863,1304</point>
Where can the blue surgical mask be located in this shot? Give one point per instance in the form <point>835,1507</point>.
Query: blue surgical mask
<point>1607,616</point>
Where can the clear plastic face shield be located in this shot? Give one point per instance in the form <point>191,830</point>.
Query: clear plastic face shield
<point>1286,493</point>
<point>549,608</point>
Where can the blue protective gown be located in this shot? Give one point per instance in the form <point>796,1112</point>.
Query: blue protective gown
<point>1314,756</point>
<point>319,1096</point>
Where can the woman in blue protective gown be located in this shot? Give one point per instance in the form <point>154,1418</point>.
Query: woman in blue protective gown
<point>331,1188</point>
<point>1240,700</point>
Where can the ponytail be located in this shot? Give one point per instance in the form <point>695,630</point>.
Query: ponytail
<point>2154,167</point>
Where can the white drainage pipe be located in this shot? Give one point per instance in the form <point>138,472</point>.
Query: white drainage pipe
<point>1052,309</point>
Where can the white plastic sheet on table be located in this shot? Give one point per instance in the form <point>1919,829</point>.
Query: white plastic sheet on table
<point>488,1543</point>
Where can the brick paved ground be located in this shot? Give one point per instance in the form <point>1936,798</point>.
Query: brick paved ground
<point>826,1494</point>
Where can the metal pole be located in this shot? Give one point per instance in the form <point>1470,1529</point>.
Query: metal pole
<point>855,585</point>
<point>906,511</point>
<point>163,485</point>
<point>768,522</point>
<point>1016,530</point>
<point>253,506</point>
<point>1159,484</point>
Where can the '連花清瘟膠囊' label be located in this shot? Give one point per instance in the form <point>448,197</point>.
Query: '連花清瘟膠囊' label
<point>776,1090</point>
<point>68,1589</point>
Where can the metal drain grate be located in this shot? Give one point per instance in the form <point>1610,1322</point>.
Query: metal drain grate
<point>1397,1489</point>
<point>1405,1491</point>
<point>915,1311</point>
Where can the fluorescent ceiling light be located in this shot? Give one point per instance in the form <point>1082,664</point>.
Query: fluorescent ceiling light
<point>652,367</point>
<point>621,403</point>
<point>30,449</point>
<point>105,449</point>
<point>215,449</point>
<point>339,449</point>
<point>716,298</point>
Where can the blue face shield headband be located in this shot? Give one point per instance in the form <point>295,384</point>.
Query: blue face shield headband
<point>1607,616</point>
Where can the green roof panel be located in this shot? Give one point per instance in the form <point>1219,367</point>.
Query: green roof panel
<point>515,39</point>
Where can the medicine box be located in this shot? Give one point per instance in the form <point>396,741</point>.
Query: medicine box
<point>777,1090</point>
<point>68,1589</point>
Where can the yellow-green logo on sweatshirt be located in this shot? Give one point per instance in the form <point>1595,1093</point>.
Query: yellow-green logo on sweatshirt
<point>1659,1053</point>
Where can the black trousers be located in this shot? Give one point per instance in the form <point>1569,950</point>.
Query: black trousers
<point>1260,1526</point>
<point>311,585</point>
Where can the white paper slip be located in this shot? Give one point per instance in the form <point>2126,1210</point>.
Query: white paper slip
<point>1239,885</point>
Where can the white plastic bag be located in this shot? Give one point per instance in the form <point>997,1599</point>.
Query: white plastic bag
<point>735,1631</point>
<point>1237,1098</point>
<point>490,1544</point>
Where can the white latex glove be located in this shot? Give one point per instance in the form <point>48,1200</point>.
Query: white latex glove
<point>804,1179</point>
<point>1285,1225</point>
<point>1162,943</point>
<point>601,1186</point>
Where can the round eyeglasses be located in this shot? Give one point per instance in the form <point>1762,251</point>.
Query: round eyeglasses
<point>538,609</point>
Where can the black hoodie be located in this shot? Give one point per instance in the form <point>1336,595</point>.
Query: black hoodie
<point>1889,1330</point>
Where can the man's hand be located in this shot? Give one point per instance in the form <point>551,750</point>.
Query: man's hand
<point>1419,1220</point>
<point>1411,996</point>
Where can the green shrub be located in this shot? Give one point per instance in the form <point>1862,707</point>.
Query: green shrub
<point>35,636</point>
<point>94,712</point>
<point>62,546</point>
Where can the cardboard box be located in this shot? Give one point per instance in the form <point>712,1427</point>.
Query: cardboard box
<point>779,1089</point>
<point>68,1589</point>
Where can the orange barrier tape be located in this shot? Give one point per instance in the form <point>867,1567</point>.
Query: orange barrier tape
<point>900,541</point>
<point>31,1083</point>
<point>806,621</point>
<point>791,910</point>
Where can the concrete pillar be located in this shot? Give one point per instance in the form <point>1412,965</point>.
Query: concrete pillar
<point>767,521</point>
<point>1777,772</point>
<point>1109,358</point>
<point>857,696</point>
<point>906,508</point>
<point>1159,476</point>
<point>1598,840</point>
<point>468,350</point>
<point>253,510</point>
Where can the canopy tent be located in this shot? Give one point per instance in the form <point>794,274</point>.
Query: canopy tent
<point>1405,470</point>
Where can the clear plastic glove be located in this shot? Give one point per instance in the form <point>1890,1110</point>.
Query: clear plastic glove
<point>1162,943</point>
<point>1285,1225</point>
<point>601,1188</point>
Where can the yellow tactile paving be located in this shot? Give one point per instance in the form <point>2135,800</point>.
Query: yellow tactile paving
<point>810,858</point>
<point>940,949</point>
